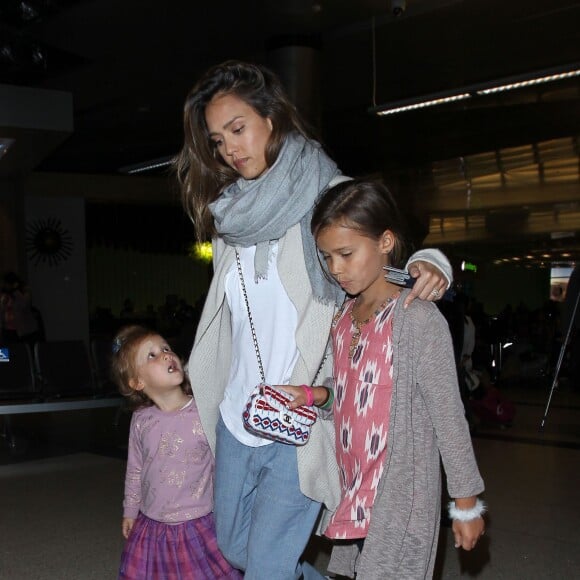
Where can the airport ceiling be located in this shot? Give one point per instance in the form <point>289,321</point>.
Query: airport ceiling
<point>130,63</point>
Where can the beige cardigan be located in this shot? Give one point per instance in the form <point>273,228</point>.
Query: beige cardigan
<point>209,363</point>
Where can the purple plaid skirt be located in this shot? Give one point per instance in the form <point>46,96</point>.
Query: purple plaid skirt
<point>187,551</point>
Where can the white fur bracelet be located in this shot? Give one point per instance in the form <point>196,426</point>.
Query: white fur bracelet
<point>466,515</point>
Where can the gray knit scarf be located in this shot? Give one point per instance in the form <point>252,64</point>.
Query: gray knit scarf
<point>262,210</point>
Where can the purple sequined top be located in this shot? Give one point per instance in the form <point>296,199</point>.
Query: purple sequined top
<point>170,466</point>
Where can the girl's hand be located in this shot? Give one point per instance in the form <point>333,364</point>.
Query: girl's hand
<point>127,526</point>
<point>430,282</point>
<point>320,395</point>
<point>468,533</point>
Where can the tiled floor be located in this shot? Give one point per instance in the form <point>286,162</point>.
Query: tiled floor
<point>61,493</point>
<point>532,482</point>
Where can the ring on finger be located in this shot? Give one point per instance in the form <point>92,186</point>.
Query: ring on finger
<point>435,293</point>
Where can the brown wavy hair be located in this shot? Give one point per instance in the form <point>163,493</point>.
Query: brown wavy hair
<point>200,170</point>
<point>124,350</point>
<point>369,208</point>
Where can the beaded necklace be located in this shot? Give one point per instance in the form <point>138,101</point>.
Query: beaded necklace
<point>359,324</point>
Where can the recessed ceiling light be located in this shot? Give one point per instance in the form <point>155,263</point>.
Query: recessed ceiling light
<point>483,89</point>
<point>147,165</point>
<point>422,104</point>
<point>530,82</point>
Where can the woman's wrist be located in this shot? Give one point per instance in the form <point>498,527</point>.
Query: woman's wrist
<point>466,514</point>
<point>309,392</point>
<point>326,403</point>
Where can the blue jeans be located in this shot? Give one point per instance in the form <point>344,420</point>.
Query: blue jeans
<point>263,520</point>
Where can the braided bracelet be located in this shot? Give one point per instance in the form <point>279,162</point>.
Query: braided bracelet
<point>466,515</point>
<point>309,395</point>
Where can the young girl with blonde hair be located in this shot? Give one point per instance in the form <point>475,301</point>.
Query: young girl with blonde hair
<point>167,516</point>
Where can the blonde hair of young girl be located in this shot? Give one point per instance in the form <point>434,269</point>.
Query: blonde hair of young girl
<point>123,367</point>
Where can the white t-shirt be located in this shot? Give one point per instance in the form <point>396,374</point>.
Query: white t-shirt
<point>275,321</point>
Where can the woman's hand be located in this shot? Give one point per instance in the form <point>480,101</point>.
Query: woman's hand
<point>127,526</point>
<point>320,395</point>
<point>430,282</point>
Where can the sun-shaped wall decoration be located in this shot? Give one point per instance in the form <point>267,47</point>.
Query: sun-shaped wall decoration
<point>47,241</point>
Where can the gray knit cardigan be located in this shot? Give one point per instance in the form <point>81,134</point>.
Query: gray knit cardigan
<point>427,425</point>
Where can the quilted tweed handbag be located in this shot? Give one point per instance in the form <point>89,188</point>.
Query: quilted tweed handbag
<point>266,413</point>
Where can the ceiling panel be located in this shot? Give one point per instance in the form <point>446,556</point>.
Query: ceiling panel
<point>129,65</point>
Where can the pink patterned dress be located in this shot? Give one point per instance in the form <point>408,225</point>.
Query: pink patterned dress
<point>362,404</point>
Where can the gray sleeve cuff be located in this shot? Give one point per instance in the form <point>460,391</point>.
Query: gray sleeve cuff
<point>437,258</point>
